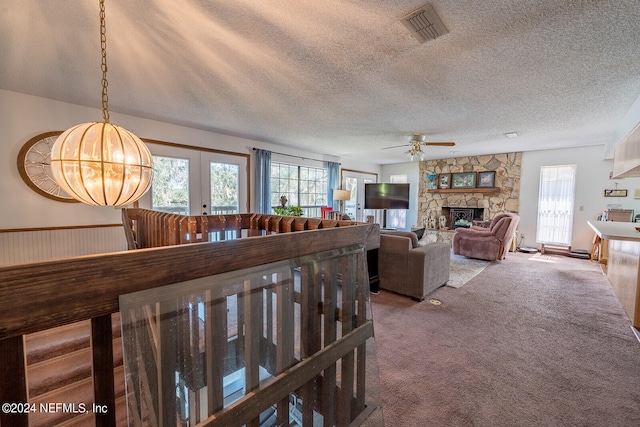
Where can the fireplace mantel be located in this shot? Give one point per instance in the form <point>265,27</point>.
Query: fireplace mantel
<point>465,190</point>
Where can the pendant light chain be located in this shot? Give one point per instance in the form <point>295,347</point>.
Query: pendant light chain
<point>103,46</point>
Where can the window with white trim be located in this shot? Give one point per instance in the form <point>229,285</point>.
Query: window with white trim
<point>303,186</point>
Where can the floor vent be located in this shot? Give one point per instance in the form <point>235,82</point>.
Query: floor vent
<point>424,24</point>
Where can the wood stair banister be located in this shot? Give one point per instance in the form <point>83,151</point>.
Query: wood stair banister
<point>51,353</point>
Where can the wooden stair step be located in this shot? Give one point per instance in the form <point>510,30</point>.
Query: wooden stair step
<point>57,341</point>
<point>88,419</point>
<point>63,370</point>
<point>59,371</point>
<point>63,339</point>
<point>76,393</point>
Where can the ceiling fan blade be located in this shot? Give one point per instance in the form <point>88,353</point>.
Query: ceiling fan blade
<point>442,144</point>
<point>395,146</point>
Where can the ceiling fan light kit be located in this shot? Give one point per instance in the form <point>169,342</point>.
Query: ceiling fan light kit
<point>415,152</point>
<point>415,147</point>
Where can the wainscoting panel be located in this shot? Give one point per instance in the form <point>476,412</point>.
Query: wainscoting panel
<point>17,247</point>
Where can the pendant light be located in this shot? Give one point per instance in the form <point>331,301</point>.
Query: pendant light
<point>99,163</point>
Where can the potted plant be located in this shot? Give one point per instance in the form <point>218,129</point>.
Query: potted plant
<point>283,209</point>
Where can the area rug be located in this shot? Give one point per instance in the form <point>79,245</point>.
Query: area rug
<point>464,269</point>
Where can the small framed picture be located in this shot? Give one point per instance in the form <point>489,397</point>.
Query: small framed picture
<point>444,180</point>
<point>463,180</point>
<point>432,180</point>
<point>486,179</point>
<point>615,193</point>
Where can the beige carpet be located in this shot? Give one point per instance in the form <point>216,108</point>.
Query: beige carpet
<point>530,341</point>
<point>464,269</point>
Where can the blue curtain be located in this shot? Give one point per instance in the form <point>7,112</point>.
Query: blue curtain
<point>333,182</point>
<point>263,181</point>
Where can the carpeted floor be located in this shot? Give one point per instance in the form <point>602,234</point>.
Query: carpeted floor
<point>530,341</point>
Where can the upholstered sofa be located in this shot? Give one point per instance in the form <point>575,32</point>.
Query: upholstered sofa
<point>410,269</point>
<point>490,243</point>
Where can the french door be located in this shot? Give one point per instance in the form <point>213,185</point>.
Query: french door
<point>354,181</point>
<point>195,182</point>
<point>224,184</point>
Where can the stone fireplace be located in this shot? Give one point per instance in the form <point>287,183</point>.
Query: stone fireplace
<point>472,204</point>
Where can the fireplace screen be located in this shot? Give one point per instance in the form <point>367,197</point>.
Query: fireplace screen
<point>461,217</point>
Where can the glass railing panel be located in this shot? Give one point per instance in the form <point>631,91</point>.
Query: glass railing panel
<point>283,343</point>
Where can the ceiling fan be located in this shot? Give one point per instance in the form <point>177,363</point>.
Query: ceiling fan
<point>415,147</point>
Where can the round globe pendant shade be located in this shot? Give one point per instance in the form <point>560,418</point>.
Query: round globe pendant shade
<point>101,164</point>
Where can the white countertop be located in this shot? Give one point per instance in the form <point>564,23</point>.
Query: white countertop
<point>613,230</point>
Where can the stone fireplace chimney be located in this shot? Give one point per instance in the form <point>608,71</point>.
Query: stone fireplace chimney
<point>485,203</point>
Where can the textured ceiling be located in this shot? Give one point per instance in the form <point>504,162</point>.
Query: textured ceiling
<point>341,77</point>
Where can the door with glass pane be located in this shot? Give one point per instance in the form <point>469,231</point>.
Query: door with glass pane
<point>354,181</point>
<point>194,182</point>
<point>170,186</point>
<point>225,188</point>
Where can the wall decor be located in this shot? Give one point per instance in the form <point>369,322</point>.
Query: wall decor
<point>444,180</point>
<point>486,179</point>
<point>615,193</point>
<point>34,166</point>
<point>463,180</point>
<point>432,180</point>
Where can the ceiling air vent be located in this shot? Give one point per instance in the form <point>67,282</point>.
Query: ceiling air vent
<point>424,24</point>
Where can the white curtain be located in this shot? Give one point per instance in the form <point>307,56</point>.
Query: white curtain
<point>397,218</point>
<point>555,204</point>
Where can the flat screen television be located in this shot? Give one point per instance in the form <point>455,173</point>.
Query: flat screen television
<point>386,196</point>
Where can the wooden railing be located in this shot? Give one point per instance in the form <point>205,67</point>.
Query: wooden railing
<point>147,228</point>
<point>316,277</point>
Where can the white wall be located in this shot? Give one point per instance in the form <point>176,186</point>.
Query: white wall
<point>412,170</point>
<point>591,181</point>
<point>23,117</point>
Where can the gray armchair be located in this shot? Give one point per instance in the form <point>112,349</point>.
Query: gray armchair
<point>409,269</point>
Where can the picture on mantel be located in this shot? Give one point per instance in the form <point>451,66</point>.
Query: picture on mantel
<point>486,179</point>
<point>443,180</point>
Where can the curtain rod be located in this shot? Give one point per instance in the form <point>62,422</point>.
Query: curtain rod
<point>297,157</point>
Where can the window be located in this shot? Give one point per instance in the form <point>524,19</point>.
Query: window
<point>555,204</point>
<point>397,218</point>
<point>170,185</point>
<point>301,185</point>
